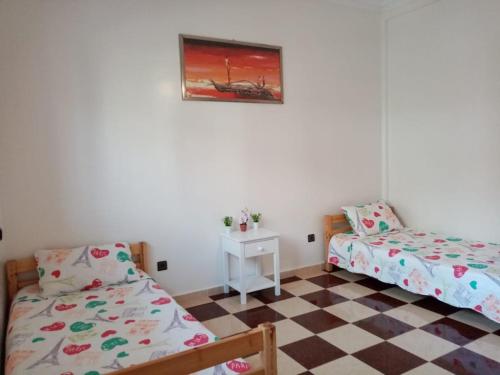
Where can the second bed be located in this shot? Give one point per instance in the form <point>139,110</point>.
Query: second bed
<point>456,271</point>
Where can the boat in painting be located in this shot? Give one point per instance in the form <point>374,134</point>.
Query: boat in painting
<point>243,88</point>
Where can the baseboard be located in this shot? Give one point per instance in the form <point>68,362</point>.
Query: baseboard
<point>219,289</point>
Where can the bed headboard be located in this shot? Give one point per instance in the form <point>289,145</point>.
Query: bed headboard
<point>22,272</point>
<point>334,224</point>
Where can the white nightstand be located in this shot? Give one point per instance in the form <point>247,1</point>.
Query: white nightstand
<point>250,244</point>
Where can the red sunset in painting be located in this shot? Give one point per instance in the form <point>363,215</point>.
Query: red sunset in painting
<point>218,70</point>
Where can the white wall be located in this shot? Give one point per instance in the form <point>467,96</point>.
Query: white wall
<point>96,144</point>
<point>443,118</point>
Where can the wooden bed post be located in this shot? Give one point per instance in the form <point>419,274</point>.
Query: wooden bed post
<point>327,227</point>
<point>268,354</point>
<point>11,271</point>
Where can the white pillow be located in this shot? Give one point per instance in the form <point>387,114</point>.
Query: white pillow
<point>371,218</point>
<point>84,268</point>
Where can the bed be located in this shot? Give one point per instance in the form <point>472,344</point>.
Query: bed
<point>130,328</point>
<point>456,271</point>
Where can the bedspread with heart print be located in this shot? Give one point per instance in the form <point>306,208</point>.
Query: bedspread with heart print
<point>456,271</point>
<point>102,330</point>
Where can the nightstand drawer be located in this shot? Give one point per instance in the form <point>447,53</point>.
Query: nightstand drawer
<point>261,247</point>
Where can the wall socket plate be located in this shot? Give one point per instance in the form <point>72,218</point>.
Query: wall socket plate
<point>162,265</point>
<point>311,237</point>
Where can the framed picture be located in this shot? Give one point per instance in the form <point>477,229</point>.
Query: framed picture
<point>230,71</point>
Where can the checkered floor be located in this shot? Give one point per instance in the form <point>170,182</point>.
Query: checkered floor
<point>344,323</point>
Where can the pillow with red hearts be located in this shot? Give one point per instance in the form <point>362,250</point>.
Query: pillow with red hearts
<point>373,218</point>
<point>84,268</point>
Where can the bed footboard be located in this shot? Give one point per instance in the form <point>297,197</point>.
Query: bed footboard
<point>258,340</point>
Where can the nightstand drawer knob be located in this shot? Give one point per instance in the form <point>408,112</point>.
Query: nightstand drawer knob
<point>260,248</point>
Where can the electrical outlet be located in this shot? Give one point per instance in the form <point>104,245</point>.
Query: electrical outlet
<point>311,237</point>
<point>162,265</point>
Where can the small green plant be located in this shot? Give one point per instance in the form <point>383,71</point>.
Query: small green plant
<point>256,217</point>
<point>228,221</point>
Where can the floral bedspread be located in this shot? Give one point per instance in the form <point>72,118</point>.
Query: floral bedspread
<point>459,272</point>
<point>100,331</point>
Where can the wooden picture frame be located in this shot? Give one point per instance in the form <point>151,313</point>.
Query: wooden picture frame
<point>224,70</point>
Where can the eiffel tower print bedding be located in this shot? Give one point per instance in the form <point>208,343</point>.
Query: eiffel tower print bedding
<point>101,330</point>
<point>456,271</point>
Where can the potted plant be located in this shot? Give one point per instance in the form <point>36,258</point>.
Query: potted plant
<point>256,220</point>
<point>228,223</point>
<point>244,220</point>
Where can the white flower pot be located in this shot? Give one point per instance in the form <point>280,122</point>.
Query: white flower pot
<point>255,226</point>
<point>228,229</point>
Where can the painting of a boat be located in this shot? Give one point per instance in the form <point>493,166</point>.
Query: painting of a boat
<point>221,70</point>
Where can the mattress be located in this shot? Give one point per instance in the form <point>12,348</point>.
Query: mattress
<point>100,331</point>
<point>456,271</point>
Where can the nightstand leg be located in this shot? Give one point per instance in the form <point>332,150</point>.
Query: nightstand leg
<point>243,287</point>
<point>225,265</point>
<point>277,290</point>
